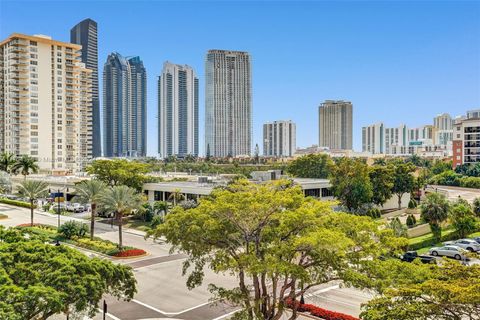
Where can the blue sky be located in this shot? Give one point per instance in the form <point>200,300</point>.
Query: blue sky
<point>397,61</point>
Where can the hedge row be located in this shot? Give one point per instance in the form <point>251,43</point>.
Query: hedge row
<point>319,312</point>
<point>17,203</point>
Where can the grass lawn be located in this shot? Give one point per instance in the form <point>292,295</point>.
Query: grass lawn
<point>429,235</point>
<point>137,224</point>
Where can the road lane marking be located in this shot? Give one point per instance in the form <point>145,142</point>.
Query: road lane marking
<point>109,315</point>
<point>323,290</point>
<point>169,313</point>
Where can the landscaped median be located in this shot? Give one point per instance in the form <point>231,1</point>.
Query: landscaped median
<point>73,235</point>
<point>319,312</point>
<point>17,203</point>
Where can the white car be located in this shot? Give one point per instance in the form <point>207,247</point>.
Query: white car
<point>469,244</point>
<point>449,251</point>
<point>75,207</point>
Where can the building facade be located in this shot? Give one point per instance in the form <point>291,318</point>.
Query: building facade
<point>177,111</point>
<point>466,141</point>
<point>124,107</point>
<point>335,124</point>
<point>443,124</point>
<point>279,139</point>
<point>85,34</point>
<point>45,102</point>
<point>373,139</point>
<point>228,104</point>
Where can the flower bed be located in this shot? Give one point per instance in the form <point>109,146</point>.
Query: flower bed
<point>320,312</point>
<point>130,253</point>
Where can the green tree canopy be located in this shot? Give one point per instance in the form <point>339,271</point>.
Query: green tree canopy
<point>119,172</point>
<point>38,280</point>
<point>446,292</point>
<point>276,241</point>
<point>434,210</point>
<point>381,178</point>
<point>351,184</point>
<point>311,166</point>
<point>403,180</point>
<point>25,164</point>
<point>463,219</point>
<point>7,162</point>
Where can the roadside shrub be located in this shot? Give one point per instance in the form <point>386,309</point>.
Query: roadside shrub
<point>73,229</point>
<point>102,246</point>
<point>374,213</point>
<point>17,203</point>
<point>412,204</point>
<point>446,178</point>
<point>130,253</point>
<point>156,221</point>
<point>470,182</point>
<point>411,221</point>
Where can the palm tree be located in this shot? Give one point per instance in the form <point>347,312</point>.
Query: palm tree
<point>434,210</point>
<point>7,162</point>
<point>26,164</point>
<point>32,190</point>
<point>121,200</point>
<point>5,183</point>
<point>176,195</point>
<point>89,191</point>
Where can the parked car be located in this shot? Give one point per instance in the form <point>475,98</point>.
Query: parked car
<point>409,256</point>
<point>469,244</point>
<point>75,207</point>
<point>449,251</point>
<point>477,239</point>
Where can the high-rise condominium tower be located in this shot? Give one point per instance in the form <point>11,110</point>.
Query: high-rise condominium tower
<point>124,107</point>
<point>228,103</point>
<point>279,139</point>
<point>45,102</point>
<point>443,124</point>
<point>177,111</point>
<point>85,34</point>
<point>335,124</point>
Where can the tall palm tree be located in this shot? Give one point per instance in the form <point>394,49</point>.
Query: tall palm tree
<point>26,164</point>
<point>121,200</point>
<point>7,162</point>
<point>32,190</point>
<point>90,191</point>
<point>5,183</point>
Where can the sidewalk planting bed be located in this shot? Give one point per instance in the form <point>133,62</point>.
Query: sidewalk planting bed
<point>319,312</point>
<point>99,245</point>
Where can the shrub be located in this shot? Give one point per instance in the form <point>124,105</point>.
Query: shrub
<point>412,204</point>
<point>98,245</point>
<point>398,228</point>
<point>374,213</point>
<point>130,253</point>
<point>476,207</point>
<point>46,207</point>
<point>411,220</point>
<point>446,178</point>
<point>73,229</point>
<point>470,182</point>
<point>156,221</point>
<point>17,203</point>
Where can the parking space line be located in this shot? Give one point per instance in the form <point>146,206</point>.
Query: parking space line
<point>169,313</point>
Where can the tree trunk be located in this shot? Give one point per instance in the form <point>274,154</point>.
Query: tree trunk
<point>31,213</point>
<point>120,238</point>
<point>92,220</point>
<point>399,201</point>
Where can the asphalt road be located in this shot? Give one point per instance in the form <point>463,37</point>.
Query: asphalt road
<point>162,292</point>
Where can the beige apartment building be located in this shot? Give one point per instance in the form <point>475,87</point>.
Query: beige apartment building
<point>335,125</point>
<point>45,102</point>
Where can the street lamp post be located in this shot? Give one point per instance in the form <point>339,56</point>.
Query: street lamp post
<point>58,205</point>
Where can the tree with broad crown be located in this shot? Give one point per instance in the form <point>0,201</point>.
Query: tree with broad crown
<point>121,200</point>
<point>403,180</point>
<point>381,178</point>
<point>32,190</point>
<point>38,280</point>
<point>90,191</point>
<point>116,172</point>
<point>463,219</point>
<point>434,210</point>
<point>311,166</point>
<point>350,183</point>
<point>277,242</point>
<point>25,164</point>
<point>445,292</point>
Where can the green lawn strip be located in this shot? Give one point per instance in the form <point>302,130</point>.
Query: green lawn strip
<point>97,244</point>
<point>429,236</point>
<point>138,225</point>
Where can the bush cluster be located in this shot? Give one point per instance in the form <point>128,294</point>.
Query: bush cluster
<point>374,213</point>
<point>412,204</point>
<point>17,203</point>
<point>411,221</point>
<point>319,312</point>
<point>72,229</point>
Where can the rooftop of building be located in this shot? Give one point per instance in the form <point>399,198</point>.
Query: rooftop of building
<point>40,38</point>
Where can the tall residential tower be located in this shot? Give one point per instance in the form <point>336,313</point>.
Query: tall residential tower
<point>45,102</point>
<point>228,103</point>
<point>279,139</point>
<point>177,111</point>
<point>124,107</point>
<point>85,34</point>
<point>335,125</point>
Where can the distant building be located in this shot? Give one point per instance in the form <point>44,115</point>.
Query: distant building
<point>85,34</point>
<point>45,102</point>
<point>396,140</point>
<point>177,111</point>
<point>466,141</point>
<point>443,124</point>
<point>373,138</point>
<point>124,107</point>
<point>279,139</point>
<point>335,124</point>
<point>228,103</point>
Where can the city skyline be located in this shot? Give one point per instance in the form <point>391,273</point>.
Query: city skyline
<point>417,77</point>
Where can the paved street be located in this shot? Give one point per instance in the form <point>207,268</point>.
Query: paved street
<point>162,292</point>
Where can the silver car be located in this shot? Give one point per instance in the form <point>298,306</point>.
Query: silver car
<point>469,244</point>
<point>449,251</point>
